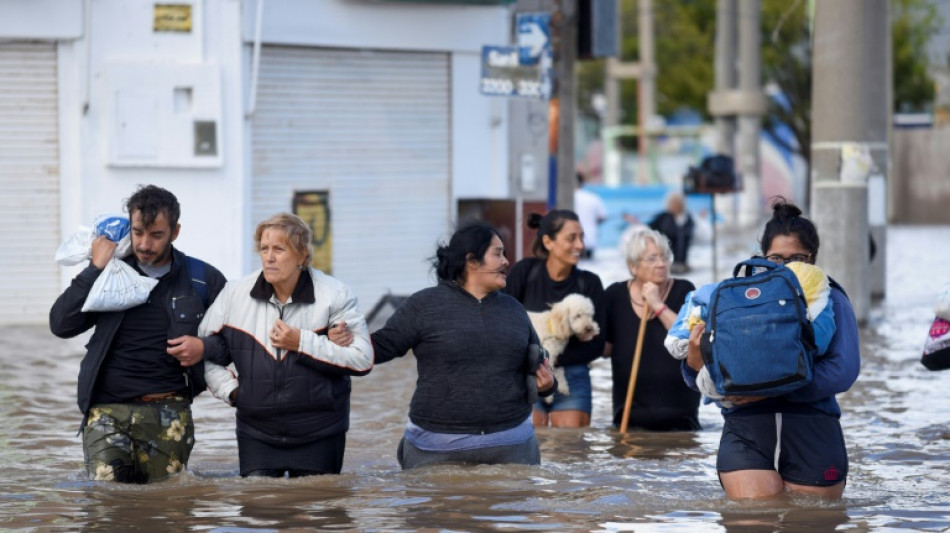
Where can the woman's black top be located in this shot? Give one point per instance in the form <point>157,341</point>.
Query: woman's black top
<point>661,400</point>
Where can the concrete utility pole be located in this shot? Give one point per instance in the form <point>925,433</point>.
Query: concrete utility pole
<point>849,116</point>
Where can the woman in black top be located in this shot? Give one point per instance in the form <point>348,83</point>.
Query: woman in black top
<point>546,279</point>
<point>661,401</point>
<point>476,355</point>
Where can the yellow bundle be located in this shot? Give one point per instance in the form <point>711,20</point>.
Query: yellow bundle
<point>814,284</point>
<point>694,319</point>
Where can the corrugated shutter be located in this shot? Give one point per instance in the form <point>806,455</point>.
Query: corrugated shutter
<point>372,128</point>
<point>29,181</point>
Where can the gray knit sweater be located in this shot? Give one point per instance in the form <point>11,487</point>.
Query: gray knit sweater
<point>470,356</point>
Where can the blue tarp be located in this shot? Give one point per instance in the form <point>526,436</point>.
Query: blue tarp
<point>641,201</point>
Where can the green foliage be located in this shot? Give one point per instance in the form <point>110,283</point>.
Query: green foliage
<point>914,22</point>
<point>786,68</point>
<point>684,37</point>
<point>684,33</point>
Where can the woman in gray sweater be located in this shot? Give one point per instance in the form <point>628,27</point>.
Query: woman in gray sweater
<point>477,357</point>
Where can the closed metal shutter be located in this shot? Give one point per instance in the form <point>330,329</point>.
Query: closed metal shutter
<point>29,181</point>
<point>372,128</point>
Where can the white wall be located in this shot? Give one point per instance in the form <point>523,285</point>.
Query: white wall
<point>379,25</point>
<point>479,134</point>
<point>211,197</point>
<point>215,197</point>
<point>41,19</point>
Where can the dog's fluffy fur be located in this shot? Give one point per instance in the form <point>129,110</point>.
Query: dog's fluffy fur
<point>574,315</point>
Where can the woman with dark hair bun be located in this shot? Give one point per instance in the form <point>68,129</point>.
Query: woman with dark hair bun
<point>790,443</point>
<point>477,355</point>
<point>545,279</point>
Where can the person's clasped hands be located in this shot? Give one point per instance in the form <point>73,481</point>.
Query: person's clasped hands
<point>285,337</point>
<point>651,295</point>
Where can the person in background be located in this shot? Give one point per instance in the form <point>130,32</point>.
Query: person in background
<point>677,224</point>
<point>937,345</point>
<point>142,366</point>
<point>591,212</point>
<point>479,363</point>
<point>661,401</point>
<point>292,388</point>
<point>540,281</point>
<point>794,442</point>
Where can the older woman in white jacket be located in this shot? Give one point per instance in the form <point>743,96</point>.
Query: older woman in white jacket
<point>292,388</point>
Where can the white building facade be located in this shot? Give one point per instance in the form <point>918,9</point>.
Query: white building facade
<point>363,116</point>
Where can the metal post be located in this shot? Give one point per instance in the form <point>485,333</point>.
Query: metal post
<point>563,105</point>
<point>879,209</point>
<point>646,89</point>
<point>725,72</point>
<point>725,81</point>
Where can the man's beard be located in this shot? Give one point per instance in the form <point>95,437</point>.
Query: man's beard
<point>165,253</point>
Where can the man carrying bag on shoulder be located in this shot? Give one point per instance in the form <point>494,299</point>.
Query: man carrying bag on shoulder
<point>143,365</point>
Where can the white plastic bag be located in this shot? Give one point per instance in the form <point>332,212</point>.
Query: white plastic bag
<point>76,249</point>
<point>117,228</point>
<point>118,287</point>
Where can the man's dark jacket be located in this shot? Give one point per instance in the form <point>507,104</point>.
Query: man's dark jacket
<point>66,319</point>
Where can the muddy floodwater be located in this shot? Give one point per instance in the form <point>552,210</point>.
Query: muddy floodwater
<point>895,422</point>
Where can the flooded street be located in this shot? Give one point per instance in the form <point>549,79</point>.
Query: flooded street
<point>895,422</point>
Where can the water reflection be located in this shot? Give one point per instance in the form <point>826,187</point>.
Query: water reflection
<point>747,519</point>
<point>642,444</point>
<point>809,520</point>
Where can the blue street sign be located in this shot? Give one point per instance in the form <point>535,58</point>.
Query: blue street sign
<point>523,70</point>
<point>534,36</point>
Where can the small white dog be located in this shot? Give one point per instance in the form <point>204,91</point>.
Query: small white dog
<point>574,315</point>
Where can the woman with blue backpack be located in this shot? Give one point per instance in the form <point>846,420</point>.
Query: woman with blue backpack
<point>791,442</point>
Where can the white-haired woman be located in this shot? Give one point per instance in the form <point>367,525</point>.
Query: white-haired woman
<point>662,401</point>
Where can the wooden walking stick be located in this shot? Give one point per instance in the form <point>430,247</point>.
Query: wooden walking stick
<point>635,368</point>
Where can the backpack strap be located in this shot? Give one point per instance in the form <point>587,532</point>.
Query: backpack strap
<point>196,271</point>
<point>753,263</point>
<point>835,284</point>
<point>194,375</point>
<point>533,273</point>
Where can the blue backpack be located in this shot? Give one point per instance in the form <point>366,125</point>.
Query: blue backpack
<point>758,339</point>
<point>196,270</point>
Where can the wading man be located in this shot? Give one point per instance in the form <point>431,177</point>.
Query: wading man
<point>143,365</point>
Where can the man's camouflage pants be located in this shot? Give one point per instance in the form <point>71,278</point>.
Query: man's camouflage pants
<point>138,442</point>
